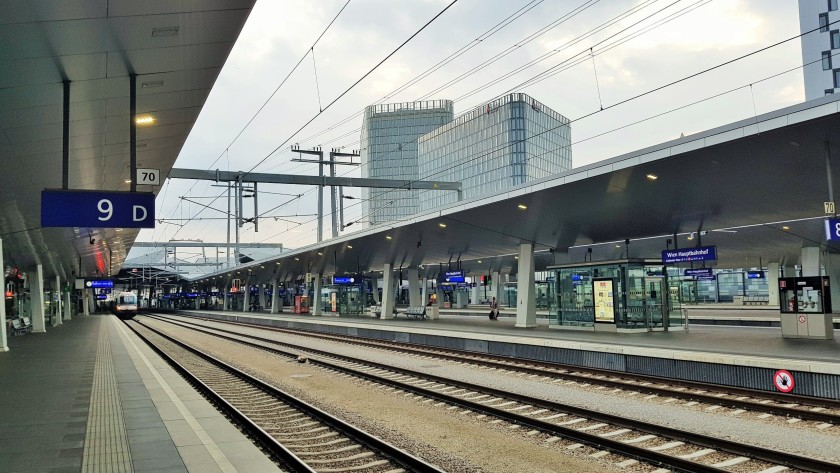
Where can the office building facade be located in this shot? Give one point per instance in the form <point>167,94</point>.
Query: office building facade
<point>821,67</point>
<point>510,141</point>
<point>389,151</point>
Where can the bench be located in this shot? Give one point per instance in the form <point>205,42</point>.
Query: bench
<point>21,326</point>
<point>416,312</point>
<point>377,310</point>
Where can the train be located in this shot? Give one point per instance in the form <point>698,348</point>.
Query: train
<point>124,305</point>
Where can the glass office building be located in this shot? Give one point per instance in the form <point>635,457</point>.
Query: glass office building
<point>510,141</point>
<point>389,151</point>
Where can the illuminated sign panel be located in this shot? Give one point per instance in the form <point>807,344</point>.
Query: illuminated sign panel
<point>604,300</point>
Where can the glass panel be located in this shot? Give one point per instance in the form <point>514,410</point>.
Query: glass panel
<point>826,60</point>
<point>655,305</point>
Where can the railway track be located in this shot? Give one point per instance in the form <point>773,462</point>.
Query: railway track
<point>825,412</point>
<point>656,445</point>
<point>301,437</point>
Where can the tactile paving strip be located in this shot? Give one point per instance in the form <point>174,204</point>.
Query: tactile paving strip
<point>106,442</point>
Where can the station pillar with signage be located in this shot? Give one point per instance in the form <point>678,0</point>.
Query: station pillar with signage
<point>805,306</point>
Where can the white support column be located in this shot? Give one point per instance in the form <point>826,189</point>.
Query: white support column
<point>810,261</point>
<point>474,294</point>
<point>85,298</point>
<point>832,270</point>
<point>374,283</point>
<point>4,342</point>
<point>247,297</point>
<point>526,306</point>
<point>387,292</point>
<point>424,294</point>
<point>68,307</point>
<point>439,295</point>
<point>262,296</point>
<point>226,296</point>
<point>57,301</point>
<point>772,278</point>
<point>495,284</point>
<point>36,298</point>
<point>275,295</point>
<point>414,299</point>
<point>317,308</point>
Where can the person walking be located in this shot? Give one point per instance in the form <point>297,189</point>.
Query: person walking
<point>494,309</point>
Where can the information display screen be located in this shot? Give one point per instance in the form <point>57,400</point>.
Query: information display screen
<point>604,299</point>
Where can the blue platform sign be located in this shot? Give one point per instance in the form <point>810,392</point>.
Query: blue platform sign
<point>700,272</point>
<point>832,229</point>
<point>755,274</point>
<point>99,283</point>
<point>700,253</point>
<point>346,280</point>
<point>94,209</point>
<point>455,276</point>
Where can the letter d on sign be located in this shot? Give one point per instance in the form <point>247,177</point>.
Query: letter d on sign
<point>142,209</point>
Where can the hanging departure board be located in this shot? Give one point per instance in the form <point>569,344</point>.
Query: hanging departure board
<point>604,300</point>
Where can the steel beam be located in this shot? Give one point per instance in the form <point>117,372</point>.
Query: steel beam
<point>198,244</point>
<point>294,179</point>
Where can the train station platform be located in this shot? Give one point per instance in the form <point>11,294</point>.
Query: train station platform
<point>739,356</point>
<point>90,396</point>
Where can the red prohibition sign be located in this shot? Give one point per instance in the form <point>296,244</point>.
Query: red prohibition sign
<point>783,381</point>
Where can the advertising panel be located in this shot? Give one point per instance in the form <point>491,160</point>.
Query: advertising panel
<point>604,300</point>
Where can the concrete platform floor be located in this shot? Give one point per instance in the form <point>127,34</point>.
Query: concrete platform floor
<point>90,396</point>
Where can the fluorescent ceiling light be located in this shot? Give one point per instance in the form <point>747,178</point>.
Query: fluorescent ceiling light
<point>144,120</point>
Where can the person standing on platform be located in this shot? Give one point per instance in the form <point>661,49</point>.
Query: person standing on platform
<point>494,309</point>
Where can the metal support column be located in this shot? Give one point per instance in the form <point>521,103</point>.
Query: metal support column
<point>4,344</point>
<point>132,145</point>
<point>65,139</point>
<point>333,212</point>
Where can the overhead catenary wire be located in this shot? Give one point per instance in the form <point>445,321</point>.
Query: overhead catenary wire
<point>351,87</point>
<point>273,93</point>
<point>637,96</point>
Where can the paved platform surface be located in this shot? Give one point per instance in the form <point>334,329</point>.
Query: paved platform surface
<point>90,396</point>
<point>748,346</point>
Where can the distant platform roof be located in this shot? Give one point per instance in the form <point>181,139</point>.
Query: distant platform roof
<point>755,188</point>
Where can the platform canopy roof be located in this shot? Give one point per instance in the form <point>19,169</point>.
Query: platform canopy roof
<point>754,188</point>
<point>176,48</point>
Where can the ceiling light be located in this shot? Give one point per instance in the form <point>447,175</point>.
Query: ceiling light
<point>522,206</point>
<point>388,237</point>
<point>144,120</point>
<point>320,254</point>
<point>691,237</point>
<point>785,227</point>
<point>262,267</point>
<point>515,257</point>
<point>618,246</point>
<point>442,225</point>
<point>277,262</point>
<point>652,177</point>
<point>128,181</point>
<point>162,31</point>
<point>479,261</point>
<point>350,246</point>
<point>152,84</point>
<point>297,259</point>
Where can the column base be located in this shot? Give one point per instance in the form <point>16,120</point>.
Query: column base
<point>39,331</point>
<point>525,325</point>
<point>4,349</point>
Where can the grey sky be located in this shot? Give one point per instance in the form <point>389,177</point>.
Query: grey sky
<point>279,32</point>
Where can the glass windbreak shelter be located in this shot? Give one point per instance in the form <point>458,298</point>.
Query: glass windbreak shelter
<point>625,295</point>
<point>345,296</point>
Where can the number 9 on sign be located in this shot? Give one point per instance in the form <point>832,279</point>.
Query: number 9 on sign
<point>106,208</point>
<point>832,229</point>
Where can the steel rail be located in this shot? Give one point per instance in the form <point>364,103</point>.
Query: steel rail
<point>552,369</point>
<point>288,458</point>
<point>398,455</point>
<point>648,456</point>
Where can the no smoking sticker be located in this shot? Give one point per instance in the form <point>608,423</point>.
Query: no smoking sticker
<point>801,319</point>
<point>783,381</point>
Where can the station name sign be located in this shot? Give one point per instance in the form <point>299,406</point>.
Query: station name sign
<point>91,283</point>
<point>701,272</point>
<point>94,209</point>
<point>455,276</point>
<point>755,274</point>
<point>700,253</point>
<point>346,280</point>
